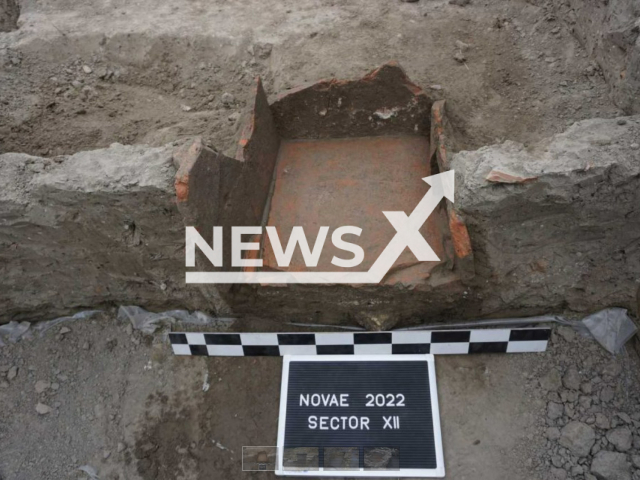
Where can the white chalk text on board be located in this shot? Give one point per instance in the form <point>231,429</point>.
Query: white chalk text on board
<point>352,422</point>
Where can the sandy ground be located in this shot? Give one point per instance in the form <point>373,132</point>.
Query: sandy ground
<point>123,404</point>
<point>81,75</point>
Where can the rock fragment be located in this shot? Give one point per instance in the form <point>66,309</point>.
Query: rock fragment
<point>263,50</point>
<point>43,409</point>
<point>621,438</point>
<point>553,433</point>
<point>498,176</point>
<point>42,385</point>
<point>612,369</point>
<point>568,333</point>
<point>554,410</point>
<point>607,394</point>
<point>558,473</point>
<point>571,379</point>
<point>578,437</point>
<point>602,421</point>
<point>459,57</point>
<point>227,99</point>
<point>610,466</point>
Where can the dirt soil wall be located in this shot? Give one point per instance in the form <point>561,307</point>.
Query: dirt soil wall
<point>94,228</point>
<point>609,31</point>
<point>552,227</point>
<point>556,226</point>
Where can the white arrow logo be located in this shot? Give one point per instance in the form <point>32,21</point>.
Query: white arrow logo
<point>407,235</point>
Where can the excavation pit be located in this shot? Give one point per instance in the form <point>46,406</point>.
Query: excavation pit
<point>351,181</point>
<point>333,154</point>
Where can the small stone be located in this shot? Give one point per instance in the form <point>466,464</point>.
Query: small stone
<point>607,394</point>
<point>585,402</point>
<point>121,447</point>
<point>64,330</point>
<point>106,454</point>
<point>13,373</point>
<point>43,409</point>
<point>185,108</point>
<point>263,50</point>
<point>577,470</point>
<point>149,448</point>
<point>568,333</point>
<point>435,87</point>
<point>586,388</point>
<point>554,410</point>
<point>86,69</point>
<point>460,3</point>
<point>624,417</point>
<point>55,386</point>
<point>227,99</point>
<point>635,459</point>
<point>578,437</point>
<point>85,346</point>
<point>459,57</point>
<point>634,146</point>
<point>234,117</point>
<point>555,30</point>
<point>569,410</point>
<point>558,473</point>
<point>557,461</point>
<point>621,438</point>
<point>602,421</point>
<point>622,121</point>
<point>463,47</point>
<point>613,368</point>
<point>554,397</point>
<point>553,433</point>
<point>42,385</point>
<point>610,466</point>
<point>552,381</point>
<point>571,379</point>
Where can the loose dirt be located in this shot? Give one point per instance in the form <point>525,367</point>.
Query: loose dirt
<point>79,76</point>
<point>121,403</point>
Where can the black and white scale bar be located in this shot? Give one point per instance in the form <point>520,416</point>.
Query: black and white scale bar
<point>438,342</point>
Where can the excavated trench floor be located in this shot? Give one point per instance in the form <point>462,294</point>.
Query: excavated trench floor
<point>350,182</point>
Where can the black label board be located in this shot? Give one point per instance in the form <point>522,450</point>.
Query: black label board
<point>381,403</point>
